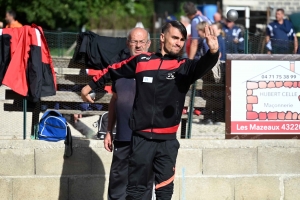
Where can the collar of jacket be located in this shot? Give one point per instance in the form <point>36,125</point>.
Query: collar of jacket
<point>167,56</point>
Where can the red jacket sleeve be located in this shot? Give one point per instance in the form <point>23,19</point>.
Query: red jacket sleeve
<point>124,69</point>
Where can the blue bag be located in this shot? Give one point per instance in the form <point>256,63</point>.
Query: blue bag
<point>54,127</point>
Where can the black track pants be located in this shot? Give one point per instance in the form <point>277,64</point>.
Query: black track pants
<point>118,177</point>
<point>148,157</point>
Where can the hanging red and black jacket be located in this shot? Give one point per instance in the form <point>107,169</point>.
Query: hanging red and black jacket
<point>30,71</point>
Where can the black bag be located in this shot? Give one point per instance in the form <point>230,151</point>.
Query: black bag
<point>102,124</point>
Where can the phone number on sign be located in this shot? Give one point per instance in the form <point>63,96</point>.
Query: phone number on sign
<point>279,76</point>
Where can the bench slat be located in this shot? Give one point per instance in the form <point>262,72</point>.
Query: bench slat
<point>73,79</point>
<point>88,112</point>
<point>65,96</point>
<point>60,62</point>
<point>185,116</point>
<point>199,102</point>
<point>67,71</point>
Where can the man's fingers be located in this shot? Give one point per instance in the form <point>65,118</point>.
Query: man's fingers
<point>110,147</point>
<point>212,31</point>
<point>87,98</point>
<point>206,31</point>
<point>107,146</point>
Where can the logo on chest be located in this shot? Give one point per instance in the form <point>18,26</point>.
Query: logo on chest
<point>145,58</point>
<point>170,76</point>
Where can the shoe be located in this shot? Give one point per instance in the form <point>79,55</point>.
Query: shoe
<point>206,122</point>
<point>100,136</point>
<point>197,112</point>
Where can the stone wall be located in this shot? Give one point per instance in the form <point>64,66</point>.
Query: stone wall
<point>260,5</point>
<point>206,169</point>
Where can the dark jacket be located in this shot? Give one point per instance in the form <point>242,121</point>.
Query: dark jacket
<point>4,54</point>
<point>161,86</point>
<point>30,71</point>
<point>97,51</point>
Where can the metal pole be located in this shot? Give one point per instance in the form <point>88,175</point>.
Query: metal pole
<point>246,41</point>
<point>190,114</point>
<point>24,117</point>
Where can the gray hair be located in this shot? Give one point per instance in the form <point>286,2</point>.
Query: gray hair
<point>129,33</point>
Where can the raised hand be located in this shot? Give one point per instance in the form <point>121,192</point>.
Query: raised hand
<point>211,39</point>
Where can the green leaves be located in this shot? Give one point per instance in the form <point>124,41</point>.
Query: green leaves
<point>71,14</point>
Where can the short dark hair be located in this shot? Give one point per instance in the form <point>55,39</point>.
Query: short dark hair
<point>189,8</point>
<point>280,9</point>
<point>12,13</point>
<point>175,24</point>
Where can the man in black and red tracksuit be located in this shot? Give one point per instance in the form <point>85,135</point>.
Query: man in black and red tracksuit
<point>162,81</point>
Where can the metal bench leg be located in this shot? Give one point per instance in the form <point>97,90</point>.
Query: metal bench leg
<point>183,129</point>
<point>35,120</point>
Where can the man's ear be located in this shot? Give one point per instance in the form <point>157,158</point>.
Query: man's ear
<point>162,37</point>
<point>148,44</point>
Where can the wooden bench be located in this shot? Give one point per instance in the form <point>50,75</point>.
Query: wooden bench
<point>70,74</point>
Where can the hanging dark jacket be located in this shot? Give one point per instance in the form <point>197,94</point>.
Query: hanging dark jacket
<point>97,51</point>
<point>30,72</point>
<point>4,54</point>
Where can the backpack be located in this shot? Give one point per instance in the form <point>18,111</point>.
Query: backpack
<point>54,127</point>
<point>102,124</point>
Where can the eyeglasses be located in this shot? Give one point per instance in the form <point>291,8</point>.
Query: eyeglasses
<point>135,42</point>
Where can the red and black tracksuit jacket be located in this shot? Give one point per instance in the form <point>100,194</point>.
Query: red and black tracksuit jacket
<point>25,61</point>
<point>161,86</point>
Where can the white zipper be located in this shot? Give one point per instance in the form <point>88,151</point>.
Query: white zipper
<point>45,124</point>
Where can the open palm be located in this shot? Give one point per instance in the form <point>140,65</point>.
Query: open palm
<point>211,39</point>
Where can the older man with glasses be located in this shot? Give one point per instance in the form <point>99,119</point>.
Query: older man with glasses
<point>138,41</point>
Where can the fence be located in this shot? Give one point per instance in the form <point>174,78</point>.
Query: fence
<point>203,115</point>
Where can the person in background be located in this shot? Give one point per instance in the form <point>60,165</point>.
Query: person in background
<point>170,18</point>
<point>11,21</point>
<point>196,17</point>
<point>278,32</point>
<point>194,43</point>
<point>203,47</point>
<point>234,38</point>
<point>220,112</point>
<point>120,106</point>
<point>186,22</point>
<point>1,24</point>
<point>218,28</point>
<point>208,78</point>
<point>219,19</point>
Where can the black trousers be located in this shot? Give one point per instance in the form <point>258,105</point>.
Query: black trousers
<point>118,177</point>
<point>148,157</point>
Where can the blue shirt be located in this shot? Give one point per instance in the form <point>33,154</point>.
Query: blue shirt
<point>232,34</point>
<point>283,31</point>
<point>279,35</point>
<point>194,32</point>
<point>125,89</point>
<point>202,48</point>
<point>222,48</point>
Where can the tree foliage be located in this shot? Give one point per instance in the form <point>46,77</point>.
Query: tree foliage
<point>72,14</point>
